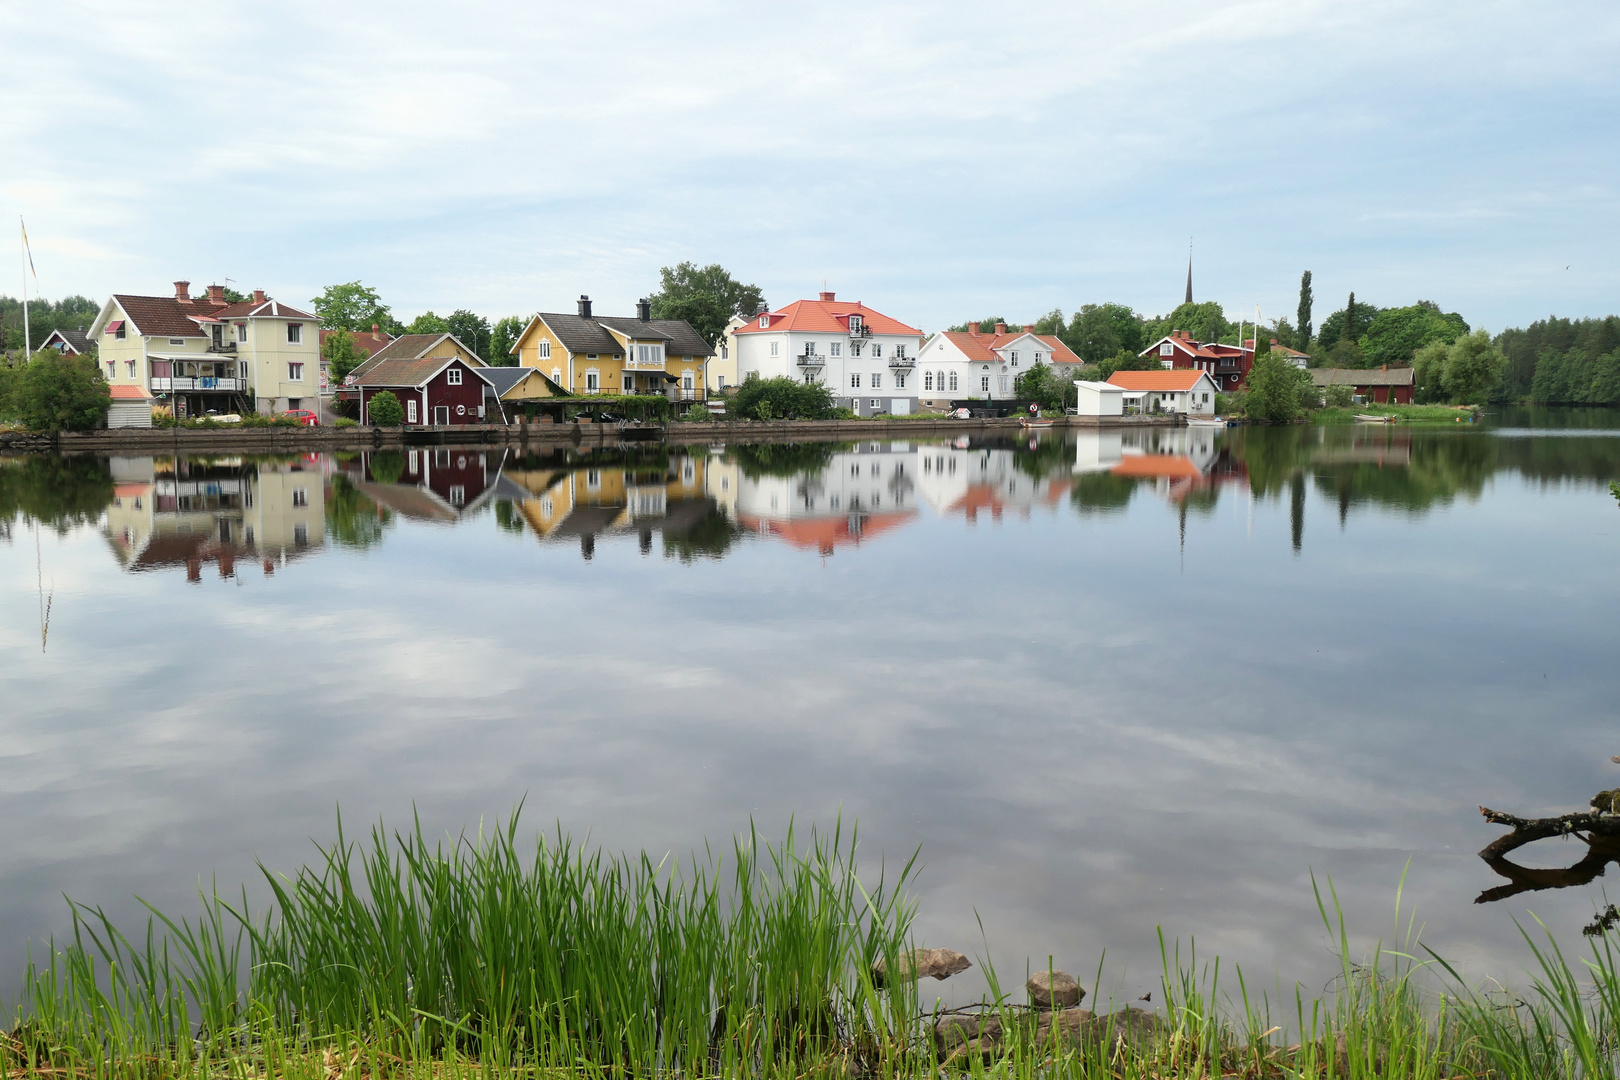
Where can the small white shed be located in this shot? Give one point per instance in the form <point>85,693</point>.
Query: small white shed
<point>131,408</point>
<point>1098,399</point>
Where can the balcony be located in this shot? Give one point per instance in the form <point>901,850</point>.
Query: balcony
<point>809,360</point>
<point>198,382</point>
<point>228,348</point>
<point>860,332</point>
<point>645,365</point>
<point>902,361</point>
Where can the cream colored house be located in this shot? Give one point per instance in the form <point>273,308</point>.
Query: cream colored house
<point>204,354</point>
<point>723,368</point>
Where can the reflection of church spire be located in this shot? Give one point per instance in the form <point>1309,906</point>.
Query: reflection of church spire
<point>1189,271</point>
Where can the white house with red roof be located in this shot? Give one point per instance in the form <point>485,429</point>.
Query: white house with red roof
<point>1189,391</point>
<point>1226,365</point>
<point>956,365</point>
<point>205,354</point>
<point>866,359</point>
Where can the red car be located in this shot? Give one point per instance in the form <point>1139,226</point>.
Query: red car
<point>304,417</point>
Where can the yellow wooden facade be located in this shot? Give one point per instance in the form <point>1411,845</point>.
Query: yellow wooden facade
<point>592,374</point>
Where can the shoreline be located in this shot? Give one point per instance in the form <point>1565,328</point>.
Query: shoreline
<point>293,440</point>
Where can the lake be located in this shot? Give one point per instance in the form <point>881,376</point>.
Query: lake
<point>1107,683</point>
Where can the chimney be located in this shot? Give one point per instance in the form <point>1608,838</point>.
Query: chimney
<point>644,309</point>
<point>584,306</point>
<point>258,296</point>
<point>375,330</point>
<point>826,298</point>
<point>1384,368</point>
<point>1001,328</point>
<point>216,295</point>
<point>1274,341</point>
<point>973,329</point>
<point>182,291</point>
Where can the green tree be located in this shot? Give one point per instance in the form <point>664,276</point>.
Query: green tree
<point>352,519</point>
<point>502,337</point>
<point>384,410</point>
<point>1276,389</point>
<point>53,392</point>
<point>1098,331</point>
<point>471,330</point>
<point>1429,373</point>
<point>1205,322</point>
<point>340,351</point>
<point>1042,384</point>
<point>1126,360</point>
<point>1474,366</point>
<point>429,323</point>
<point>1396,334</point>
<point>353,306</point>
<point>1304,313</point>
<point>1348,323</point>
<point>1339,396</point>
<point>707,297</point>
<point>781,398</point>
<point>986,326</point>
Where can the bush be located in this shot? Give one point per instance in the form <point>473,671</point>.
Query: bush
<point>697,414</point>
<point>384,410</point>
<point>1226,404</point>
<point>345,422</point>
<point>781,398</point>
<point>1340,396</point>
<point>1278,391</point>
<point>53,392</point>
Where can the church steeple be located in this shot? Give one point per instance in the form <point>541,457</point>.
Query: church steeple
<point>1189,272</point>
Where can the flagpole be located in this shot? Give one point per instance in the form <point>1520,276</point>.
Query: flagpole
<point>28,341</point>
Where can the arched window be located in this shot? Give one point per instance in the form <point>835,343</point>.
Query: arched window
<point>928,380</point>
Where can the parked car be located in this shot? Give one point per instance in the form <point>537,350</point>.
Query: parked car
<point>304,417</point>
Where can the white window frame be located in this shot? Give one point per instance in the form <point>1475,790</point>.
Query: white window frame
<point>295,371</point>
<point>877,350</point>
<point>593,379</point>
<point>764,322</point>
<point>984,384</point>
<point>177,341</point>
<point>112,370</point>
<point>928,381</point>
<point>410,418</point>
<point>452,377</point>
<point>556,375</point>
<point>900,352</point>
<point>877,380</point>
<point>1166,349</point>
<point>774,348</point>
<point>836,348</point>
<point>129,366</point>
<point>854,380</point>
<point>545,349</point>
<point>241,331</point>
<point>295,333</point>
<point>300,497</point>
<point>953,380</point>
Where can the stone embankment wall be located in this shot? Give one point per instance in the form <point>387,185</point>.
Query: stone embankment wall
<point>294,440</point>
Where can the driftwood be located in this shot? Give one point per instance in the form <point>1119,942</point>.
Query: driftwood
<point>1598,829</point>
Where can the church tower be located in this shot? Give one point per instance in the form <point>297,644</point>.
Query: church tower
<point>1189,277</point>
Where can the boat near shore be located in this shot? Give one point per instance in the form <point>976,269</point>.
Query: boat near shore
<point>1205,421</point>
<point>1030,422</point>
<point>1368,418</point>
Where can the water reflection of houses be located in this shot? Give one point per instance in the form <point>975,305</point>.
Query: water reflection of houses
<point>169,512</point>
<point>430,483</point>
<point>972,477</point>
<point>1175,462</point>
<point>838,499</point>
<point>675,494</point>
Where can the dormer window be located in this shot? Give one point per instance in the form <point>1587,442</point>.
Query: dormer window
<point>453,377</point>
<point>854,324</point>
<point>764,322</point>
<point>1166,349</point>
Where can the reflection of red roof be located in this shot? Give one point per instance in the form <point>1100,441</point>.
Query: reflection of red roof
<point>1180,379</point>
<point>131,491</point>
<point>826,317</point>
<point>824,534</point>
<point>989,497</point>
<point>1173,466</point>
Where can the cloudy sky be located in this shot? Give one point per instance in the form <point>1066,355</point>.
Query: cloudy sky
<point>940,161</point>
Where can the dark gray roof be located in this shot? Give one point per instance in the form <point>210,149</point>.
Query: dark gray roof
<point>683,340</point>
<point>504,378</point>
<point>635,328</point>
<point>582,335</point>
<point>77,340</point>
<point>1361,377</point>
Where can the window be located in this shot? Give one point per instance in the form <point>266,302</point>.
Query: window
<point>458,495</point>
<point>545,349</point>
<point>556,375</point>
<point>1166,349</point>
<point>1037,356</point>
<point>899,380</point>
<point>415,464</point>
<point>241,331</point>
<point>592,380</point>
<point>855,380</point>
<point>872,403</point>
<point>295,372</point>
<point>1206,399</point>
<point>854,324</point>
<point>928,380</point>
<point>453,377</point>
<point>877,350</point>
<point>593,478</point>
<point>722,379</point>
<point>295,333</point>
<point>764,322</point>
<point>854,348</point>
<point>953,380</point>
<point>410,418</point>
<point>877,380</point>
<point>129,368</point>
<point>119,333</point>
<point>590,356</point>
<point>112,370</point>
<point>900,352</point>
<point>836,348</point>
<point>774,345</point>
<point>1003,384</point>
<point>300,496</point>
<point>1015,359</point>
<point>984,384</point>
<point>177,341</point>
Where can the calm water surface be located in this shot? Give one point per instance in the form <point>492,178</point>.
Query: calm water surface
<point>1107,684</point>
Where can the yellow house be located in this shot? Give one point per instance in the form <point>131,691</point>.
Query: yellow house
<point>593,355</point>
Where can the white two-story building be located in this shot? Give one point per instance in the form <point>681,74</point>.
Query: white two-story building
<point>954,365</point>
<point>201,354</point>
<point>865,358</point>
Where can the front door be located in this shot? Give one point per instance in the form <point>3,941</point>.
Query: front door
<point>441,416</point>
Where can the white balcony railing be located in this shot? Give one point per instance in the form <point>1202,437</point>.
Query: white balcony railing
<point>902,361</point>
<point>196,382</point>
<point>810,360</point>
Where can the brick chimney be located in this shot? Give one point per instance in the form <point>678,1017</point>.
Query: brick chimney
<point>827,297</point>
<point>182,291</point>
<point>1001,328</point>
<point>644,309</point>
<point>973,329</point>
<point>584,306</point>
<point>258,296</point>
<point>216,295</point>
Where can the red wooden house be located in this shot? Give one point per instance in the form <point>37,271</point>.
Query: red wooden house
<point>1385,385</point>
<point>1226,365</point>
<point>435,391</point>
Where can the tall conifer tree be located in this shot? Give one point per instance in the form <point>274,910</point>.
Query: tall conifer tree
<point>1303,322</point>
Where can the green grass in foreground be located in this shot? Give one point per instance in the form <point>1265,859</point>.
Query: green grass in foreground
<point>1404,414</point>
<point>402,959</point>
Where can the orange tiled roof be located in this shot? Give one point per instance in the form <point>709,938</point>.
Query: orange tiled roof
<point>129,393</point>
<point>981,347</point>
<point>1160,381</point>
<point>826,317</point>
